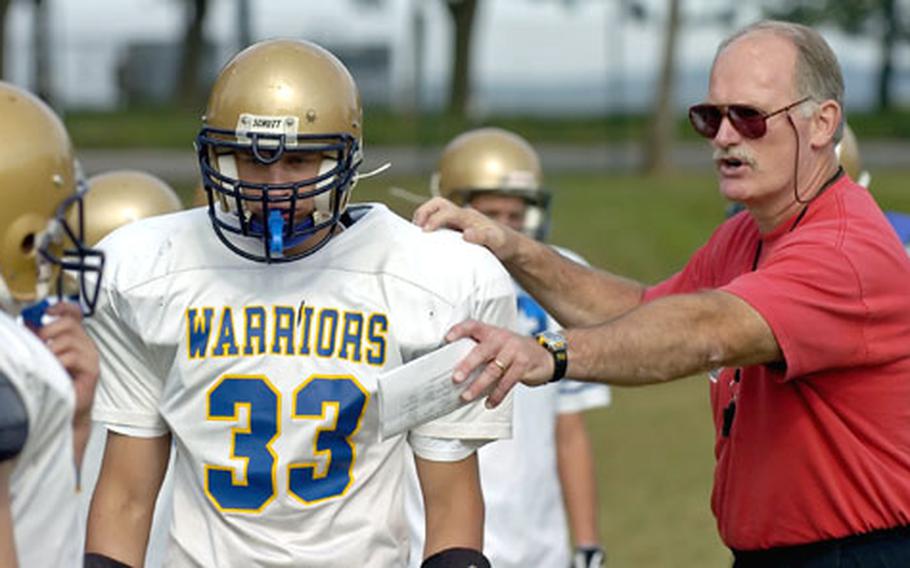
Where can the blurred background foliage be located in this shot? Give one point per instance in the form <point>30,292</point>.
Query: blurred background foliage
<point>175,129</point>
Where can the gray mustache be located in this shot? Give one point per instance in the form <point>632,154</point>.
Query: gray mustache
<point>743,156</point>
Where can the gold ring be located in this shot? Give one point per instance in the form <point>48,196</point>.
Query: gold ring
<point>500,364</point>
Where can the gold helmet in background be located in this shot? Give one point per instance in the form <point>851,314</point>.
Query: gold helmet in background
<point>848,154</point>
<point>40,182</point>
<point>275,98</point>
<point>119,197</point>
<point>493,160</point>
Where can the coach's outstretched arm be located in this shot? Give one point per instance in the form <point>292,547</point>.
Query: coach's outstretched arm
<point>669,338</point>
<point>574,294</point>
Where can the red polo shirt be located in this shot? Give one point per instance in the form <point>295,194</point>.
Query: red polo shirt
<point>820,445</point>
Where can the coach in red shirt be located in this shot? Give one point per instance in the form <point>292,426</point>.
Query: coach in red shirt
<point>799,307</point>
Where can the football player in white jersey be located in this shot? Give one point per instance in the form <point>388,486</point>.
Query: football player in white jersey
<point>48,365</point>
<point>115,198</point>
<point>499,174</point>
<point>252,332</point>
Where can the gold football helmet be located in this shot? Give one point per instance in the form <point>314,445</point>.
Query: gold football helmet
<point>493,160</point>
<point>40,182</point>
<point>122,196</point>
<point>274,98</point>
<point>848,154</point>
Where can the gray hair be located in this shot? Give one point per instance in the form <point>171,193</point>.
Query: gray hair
<point>818,74</point>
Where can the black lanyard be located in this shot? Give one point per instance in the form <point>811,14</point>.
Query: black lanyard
<point>730,409</point>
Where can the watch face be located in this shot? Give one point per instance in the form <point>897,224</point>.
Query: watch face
<point>557,346</point>
<point>552,341</point>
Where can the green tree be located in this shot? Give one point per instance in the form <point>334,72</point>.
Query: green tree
<point>887,20</point>
<point>462,12</point>
<point>4,4</point>
<point>659,139</point>
<point>42,82</point>
<point>192,53</point>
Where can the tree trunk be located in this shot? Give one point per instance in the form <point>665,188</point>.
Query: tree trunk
<point>462,12</point>
<point>886,61</point>
<point>659,140</point>
<point>191,55</point>
<point>41,80</point>
<point>418,40</point>
<point>4,4</point>
<point>244,24</point>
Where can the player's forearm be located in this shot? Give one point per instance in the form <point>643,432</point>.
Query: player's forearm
<point>453,504</point>
<point>577,477</point>
<point>119,528</point>
<point>7,543</point>
<point>8,557</point>
<point>575,295</point>
<point>456,523</point>
<point>124,500</point>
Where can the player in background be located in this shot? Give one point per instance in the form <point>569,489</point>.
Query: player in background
<point>115,198</point>
<point>118,197</point>
<point>544,476</point>
<point>48,365</point>
<point>848,155</point>
<point>850,158</point>
<point>251,333</point>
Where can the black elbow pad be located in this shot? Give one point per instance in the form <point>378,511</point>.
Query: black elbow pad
<point>95,560</point>
<point>456,558</point>
<point>13,419</point>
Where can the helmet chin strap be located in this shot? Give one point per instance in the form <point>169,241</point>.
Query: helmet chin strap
<point>277,243</point>
<point>375,172</point>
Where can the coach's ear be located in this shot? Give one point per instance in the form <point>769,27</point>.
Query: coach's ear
<point>457,558</point>
<point>825,122</point>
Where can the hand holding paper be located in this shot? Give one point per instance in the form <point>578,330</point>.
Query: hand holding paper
<point>422,390</point>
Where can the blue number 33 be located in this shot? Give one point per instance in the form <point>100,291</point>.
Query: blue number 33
<point>250,489</point>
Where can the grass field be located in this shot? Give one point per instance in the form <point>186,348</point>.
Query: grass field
<point>654,444</point>
<point>171,128</point>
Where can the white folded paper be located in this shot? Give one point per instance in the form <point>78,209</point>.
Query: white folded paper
<point>422,390</point>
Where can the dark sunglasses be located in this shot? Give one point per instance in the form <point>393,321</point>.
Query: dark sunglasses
<point>747,120</point>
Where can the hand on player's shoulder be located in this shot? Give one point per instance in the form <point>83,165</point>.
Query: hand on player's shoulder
<point>476,228</point>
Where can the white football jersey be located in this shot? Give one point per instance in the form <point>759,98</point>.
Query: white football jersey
<point>43,482</point>
<point>525,523</point>
<point>265,376</point>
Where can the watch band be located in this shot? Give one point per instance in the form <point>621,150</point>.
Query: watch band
<point>556,344</point>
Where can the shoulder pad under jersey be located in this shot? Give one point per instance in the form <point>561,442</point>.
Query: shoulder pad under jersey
<point>13,419</point>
